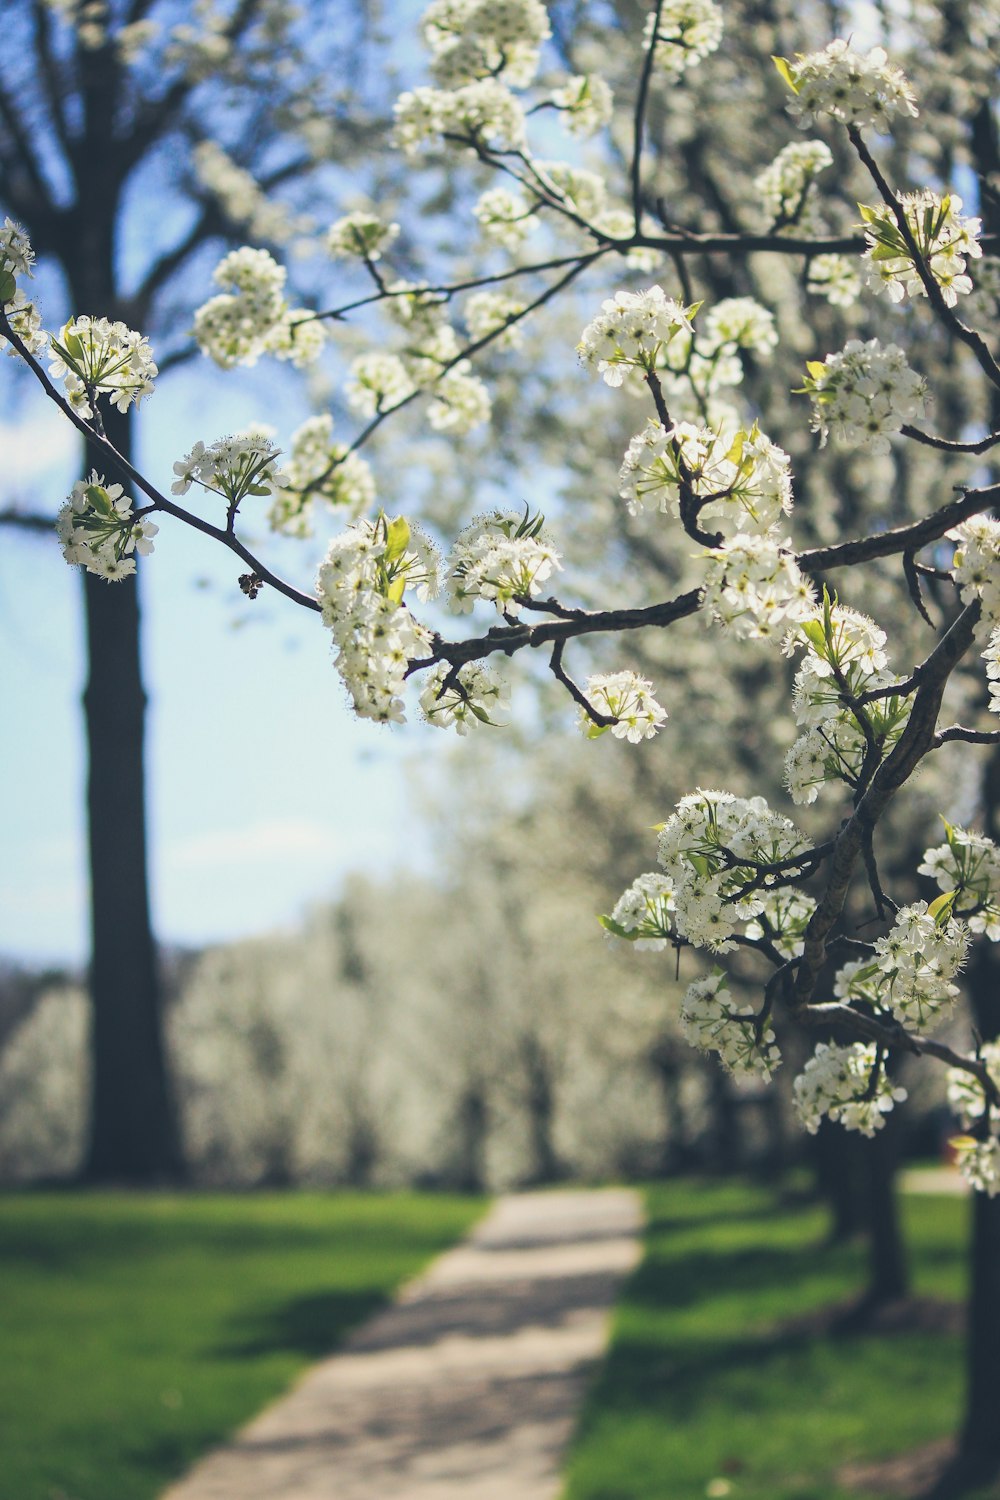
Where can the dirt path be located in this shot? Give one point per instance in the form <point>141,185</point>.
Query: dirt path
<point>467,1387</point>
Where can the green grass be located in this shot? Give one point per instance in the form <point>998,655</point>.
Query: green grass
<point>708,1378</point>
<point>137,1330</point>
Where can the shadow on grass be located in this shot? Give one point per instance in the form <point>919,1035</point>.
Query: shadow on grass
<point>311,1325</point>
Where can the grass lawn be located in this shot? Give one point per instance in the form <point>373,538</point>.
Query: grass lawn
<point>136,1330</point>
<point>710,1384</point>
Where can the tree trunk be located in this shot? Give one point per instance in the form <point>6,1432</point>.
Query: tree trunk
<point>888,1273</point>
<point>133,1134</point>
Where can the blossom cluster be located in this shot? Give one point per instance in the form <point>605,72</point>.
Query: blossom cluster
<point>846,1084</point>
<point>233,467</point>
<point>753,586</point>
<point>711,1021</point>
<point>463,697</point>
<point>698,365</point>
<point>631,331</point>
<point>585,102</point>
<point>864,393</point>
<point>844,660</point>
<point>94,357</point>
<point>360,588</point>
<point>717,850</point>
<point>784,187</point>
<point>862,89</point>
<point>944,238</point>
<point>976,563</point>
<point>741,481</point>
<point>977,1156</point>
<point>686,32</point>
<point>17,259</point>
<point>98,531</point>
<point>319,468</point>
<point>361,234</point>
<point>627,698</point>
<point>484,113</point>
<point>476,39</point>
<point>502,557</point>
<point>644,914</point>
<point>910,972</point>
<point>967,868</point>
<point>238,326</point>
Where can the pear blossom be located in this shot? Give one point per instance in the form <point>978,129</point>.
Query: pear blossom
<point>862,89</point>
<point>711,1021</point>
<point>627,697</point>
<point>643,914</point>
<point>472,695</point>
<point>631,331</point>
<point>688,31</point>
<point>943,235</point>
<point>864,393</point>
<point>501,557</point>
<point>847,1084</point>
<point>98,531</point>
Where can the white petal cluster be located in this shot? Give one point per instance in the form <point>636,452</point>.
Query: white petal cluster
<point>696,368</point>
<point>753,586</point>
<point>501,557</point>
<point>586,103</point>
<point>475,39</point>
<point>834,277</point>
<point>688,32</point>
<point>461,401</point>
<point>233,467</point>
<point>783,919</point>
<point>784,187</point>
<point>967,866</point>
<point>97,530</point>
<point>235,327</point>
<point>991,656</point>
<point>506,218</point>
<point>644,914</point>
<point>943,235</point>
<point>16,254</point>
<point>977,1157</point>
<point>864,393</point>
<point>742,478</point>
<point>360,588</point>
<point>319,468</point>
<point>712,1022</point>
<point>844,659</point>
<point>582,192</point>
<point>626,697</point>
<point>976,563</point>
<point>857,88</point>
<point>376,383</point>
<point>842,1083</point>
<point>488,312</point>
<point>631,331</point>
<point>712,849</point>
<point>17,259</point>
<point>911,969</point>
<point>481,113</point>
<point>360,235</point>
<point>94,357</point>
<point>474,695</point>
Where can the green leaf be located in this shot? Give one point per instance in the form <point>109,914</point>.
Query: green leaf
<point>784,68</point>
<point>610,925</point>
<point>397,538</point>
<point>815,634</point>
<point>868,214</point>
<point>816,368</point>
<point>594,731</point>
<point>941,909</point>
<point>8,286</point>
<point>394,593</point>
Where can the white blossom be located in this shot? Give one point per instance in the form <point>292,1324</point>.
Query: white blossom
<point>943,236</point>
<point>501,557</point>
<point>631,331</point>
<point>360,235</point>
<point>864,393</point>
<point>688,32</point>
<point>586,103</point>
<point>472,695</point>
<point>627,697</point>
<point>846,1084</point>
<point>712,1022</point>
<point>96,357</point>
<point>862,89</point>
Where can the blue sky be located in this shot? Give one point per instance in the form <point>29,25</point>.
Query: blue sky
<point>263,789</point>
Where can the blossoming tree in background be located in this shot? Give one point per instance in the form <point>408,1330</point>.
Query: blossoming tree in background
<point>135,138</point>
<point>738,879</point>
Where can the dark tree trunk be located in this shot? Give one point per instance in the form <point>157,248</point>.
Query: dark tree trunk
<point>546,1166</point>
<point>888,1273</point>
<point>133,1134</point>
<point>472,1129</point>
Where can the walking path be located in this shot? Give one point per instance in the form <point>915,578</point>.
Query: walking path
<point>467,1387</point>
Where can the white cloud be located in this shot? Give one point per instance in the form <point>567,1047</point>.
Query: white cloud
<point>272,839</point>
